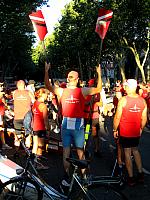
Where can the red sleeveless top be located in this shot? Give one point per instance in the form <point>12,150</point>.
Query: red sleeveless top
<point>2,107</point>
<point>131,117</point>
<point>38,120</point>
<point>22,103</point>
<point>72,101</point>
<point>95,112</point>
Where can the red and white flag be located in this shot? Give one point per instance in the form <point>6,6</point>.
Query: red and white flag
<point>39,24</point>
<point>103,22</point>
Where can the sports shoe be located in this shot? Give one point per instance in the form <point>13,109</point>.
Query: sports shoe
<point>131,181</point>
<point>6,146</point>
<point>140,177</point>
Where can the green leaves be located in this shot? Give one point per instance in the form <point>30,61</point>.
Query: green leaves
<point>16,36</point>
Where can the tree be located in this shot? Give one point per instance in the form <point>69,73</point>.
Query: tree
<point>75,45</point>
<point>16,36</point>
<point>129,24</point>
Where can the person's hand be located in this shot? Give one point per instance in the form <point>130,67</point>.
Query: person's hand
<point>47,66</point>
<point>98,69</point>
<point>116,135</point>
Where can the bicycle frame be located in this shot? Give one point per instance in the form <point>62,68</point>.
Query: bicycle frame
<point>76,178</point>
<point>47,189</point>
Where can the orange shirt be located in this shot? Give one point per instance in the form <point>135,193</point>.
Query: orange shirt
<point>22,103</point>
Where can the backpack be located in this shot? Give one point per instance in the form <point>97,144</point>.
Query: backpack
<point>27,122</point>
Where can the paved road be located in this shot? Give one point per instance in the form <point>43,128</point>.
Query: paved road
<point>101,165</point>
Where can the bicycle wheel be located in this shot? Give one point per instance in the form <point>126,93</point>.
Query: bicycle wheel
<point>103,192</point>
<point>20,189</point>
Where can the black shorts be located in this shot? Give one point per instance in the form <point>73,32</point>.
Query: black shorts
<point>40,134</point>
<point>128,142</point>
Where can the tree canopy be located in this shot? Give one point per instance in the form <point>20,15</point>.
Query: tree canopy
<point>16,36</point>
<point>74,44</point>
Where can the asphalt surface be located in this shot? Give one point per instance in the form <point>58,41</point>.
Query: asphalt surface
<point>102,165</point>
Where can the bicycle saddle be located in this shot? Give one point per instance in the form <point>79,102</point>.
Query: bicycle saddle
<point>80,163</point>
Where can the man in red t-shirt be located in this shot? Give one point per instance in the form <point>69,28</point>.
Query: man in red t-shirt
<point>72,100</point>
<point>130,119</point>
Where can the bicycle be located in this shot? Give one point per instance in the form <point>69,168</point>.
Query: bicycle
<point>29,186</point>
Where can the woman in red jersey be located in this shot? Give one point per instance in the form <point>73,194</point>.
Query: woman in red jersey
<point>40,121</point>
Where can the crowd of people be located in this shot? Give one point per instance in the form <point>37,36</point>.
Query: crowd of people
<point>78,109</point>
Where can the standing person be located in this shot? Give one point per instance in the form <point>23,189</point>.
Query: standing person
<point>31,86</point>
<point>2,112</point>
<point>91,111</point>
<point>130,118</point>
<point>23,100</point>
<point>72,100</point>
<point>40,124</point>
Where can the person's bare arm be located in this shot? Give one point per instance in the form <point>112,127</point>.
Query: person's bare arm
<point>118,115</point>
<point>43,108</point>
<point>98,88</point>
<point>144,116</point>
<point>56,90</point>
<point>32,97</point>
<point>48,84</point>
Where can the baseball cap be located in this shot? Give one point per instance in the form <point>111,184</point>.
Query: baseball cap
<point>91,82</point>
<point>131,83</point>
<point>73,74</point>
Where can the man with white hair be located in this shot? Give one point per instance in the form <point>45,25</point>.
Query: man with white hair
<point>129,121</point>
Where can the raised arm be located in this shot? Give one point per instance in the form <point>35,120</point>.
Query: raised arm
<point>56,90</point>
<point>98,88</point>
<point>48,84</point>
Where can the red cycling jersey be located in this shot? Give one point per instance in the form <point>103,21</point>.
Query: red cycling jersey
<point>72,101</point>
<point>2,107</point>
<point>38,120</point>
<point>130,122</point>
<point>93,108</point>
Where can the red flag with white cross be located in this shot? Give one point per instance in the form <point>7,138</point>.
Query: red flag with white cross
<point>39,24</point>
<point>103,22</point>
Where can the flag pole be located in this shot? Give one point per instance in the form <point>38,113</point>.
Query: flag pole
<point>100,51</point>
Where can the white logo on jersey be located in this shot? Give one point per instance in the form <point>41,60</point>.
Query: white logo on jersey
<point>72,100</point>
<point>135,109</point>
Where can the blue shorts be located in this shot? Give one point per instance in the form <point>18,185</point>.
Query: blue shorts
<point>75,137</point>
